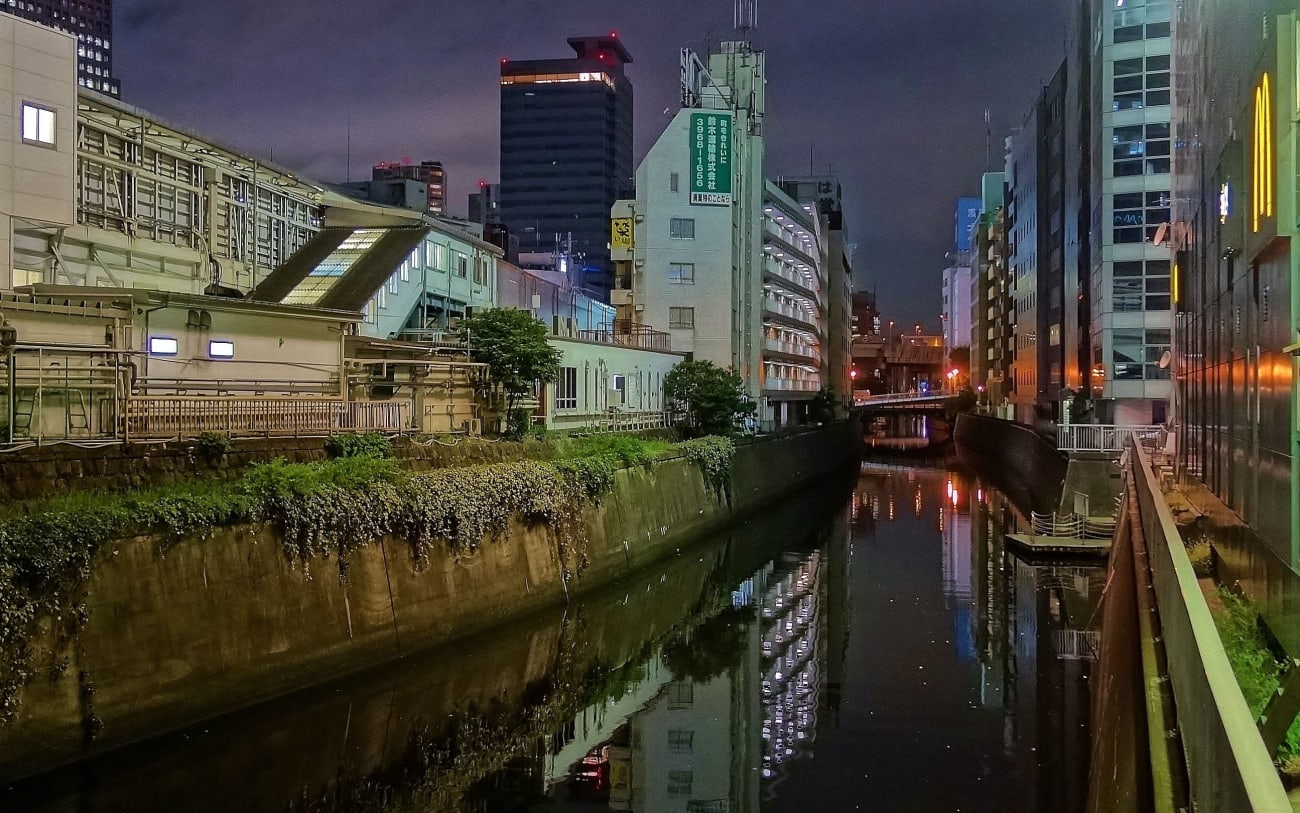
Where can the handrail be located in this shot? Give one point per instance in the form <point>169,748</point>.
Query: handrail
<point>1227,764</point>
<point>1093,437</point>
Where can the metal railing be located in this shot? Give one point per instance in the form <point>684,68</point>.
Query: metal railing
<point>1228,766</point>
<point>180,417</point>
<point>615,421</point>
<point>626,333</point>
<point>1090,437</point>
<point>1071,526</point>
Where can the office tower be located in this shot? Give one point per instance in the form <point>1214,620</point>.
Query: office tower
<point>1131,177</point>
<point>91,22</point>
<point>566,152</point>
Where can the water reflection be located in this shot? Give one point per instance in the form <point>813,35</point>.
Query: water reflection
<point>881,649</point>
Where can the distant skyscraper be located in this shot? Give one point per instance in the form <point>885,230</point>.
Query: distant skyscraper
<point>566,151</point>
<point>91,22</point>
<point>429,173</point>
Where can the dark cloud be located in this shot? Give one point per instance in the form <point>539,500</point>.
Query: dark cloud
<point>891,93</point>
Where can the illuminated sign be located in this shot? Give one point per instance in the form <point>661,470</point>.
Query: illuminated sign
<point>968,212</point>
<point>710,159</point>
<point>1265,158</point>
<point>1225,201</point>
<point>620,233</point>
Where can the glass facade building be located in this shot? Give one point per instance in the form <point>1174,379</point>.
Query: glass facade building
<point>566,152</point>
<point>1236,271</point>
<point>91,22</point>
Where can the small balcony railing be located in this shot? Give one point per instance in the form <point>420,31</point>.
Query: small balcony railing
<point>626,333</point>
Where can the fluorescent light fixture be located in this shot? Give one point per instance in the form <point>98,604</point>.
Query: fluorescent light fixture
<point>221,349</point>
<point>163,346</point>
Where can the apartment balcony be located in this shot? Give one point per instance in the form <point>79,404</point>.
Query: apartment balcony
<point>792,280</point>
<point>800,350</point>
<point>792,385</point>
<point>777,238</point>
<point>803,317</point>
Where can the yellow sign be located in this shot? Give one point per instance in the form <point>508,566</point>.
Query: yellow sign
<point>1265,159</point>
<point>621,229</point>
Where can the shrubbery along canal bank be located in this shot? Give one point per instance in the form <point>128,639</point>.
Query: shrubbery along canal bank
<point>302,585</point>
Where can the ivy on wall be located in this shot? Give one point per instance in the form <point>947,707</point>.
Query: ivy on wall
<point>325,510</point>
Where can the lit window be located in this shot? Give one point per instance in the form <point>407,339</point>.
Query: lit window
<point>38,124</point>
<point>221,349</point>
<point>163,346</point>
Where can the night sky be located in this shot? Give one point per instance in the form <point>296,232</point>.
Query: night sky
<point>890,93</point>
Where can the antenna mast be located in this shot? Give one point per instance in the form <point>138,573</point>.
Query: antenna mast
<point>745,13</point>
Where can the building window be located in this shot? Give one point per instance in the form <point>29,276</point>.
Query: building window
<point>1136,216</point>
<point>681,273</point>
<point>673,182</point>
<point>439,258</point>
<point>681,695</point>
<point>681,742</point>
<point>1141,150</point>
<point>566,388</point>
<point>681,318</point>
<point>679,783</point>
<point>405,273</point>
<point>462,265</point>
<point>38,125</point>
<point>1137,354</point>
<point>221,349</point>
<point>163,346</point>
<point>681,228</point>
<point>1141,286</point>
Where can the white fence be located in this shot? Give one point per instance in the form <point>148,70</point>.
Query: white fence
<point>1072,526</point>
<point>1085,437</point>
<point>187,417</point>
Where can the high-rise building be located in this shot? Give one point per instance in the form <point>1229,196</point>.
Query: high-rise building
<point>1035,171</point>
<point>566,151</point>
<point>956,307</point>
<point>1131,320</point>
<point>429,173</point>
<point>91,22</point>
<point>485,204</point>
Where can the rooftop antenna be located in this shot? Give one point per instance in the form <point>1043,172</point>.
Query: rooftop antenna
<point>745,13</point>
<point>988,140</point>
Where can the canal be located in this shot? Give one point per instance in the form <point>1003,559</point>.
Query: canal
<point>869,646</point>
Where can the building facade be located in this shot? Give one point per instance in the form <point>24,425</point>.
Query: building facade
<point>1131,319</point>
<point>429,173</point>
<point>566,151</point>
<point>732,265</point>
<point>91,23</point>
<point>956,312</point>
<point>1236,284</point>
<point>1022,227</point>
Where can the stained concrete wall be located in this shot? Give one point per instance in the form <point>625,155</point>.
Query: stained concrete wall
<point>181,633</point>
<point>1014,458</point>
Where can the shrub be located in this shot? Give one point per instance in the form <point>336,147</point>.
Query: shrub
<point>373,444</point>
<point>630,450</point>
<point>213,445</point>
<point>713,455</point>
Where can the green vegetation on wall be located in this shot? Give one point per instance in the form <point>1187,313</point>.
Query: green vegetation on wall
<point>324,511</point>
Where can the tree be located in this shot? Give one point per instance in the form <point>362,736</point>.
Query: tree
<point>513,345</point>
<point>713,398</point>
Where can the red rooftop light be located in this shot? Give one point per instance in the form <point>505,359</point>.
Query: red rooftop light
<point>504,60</point>
<point>614,33</point>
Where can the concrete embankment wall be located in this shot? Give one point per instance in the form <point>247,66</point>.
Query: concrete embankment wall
<point>1014,458</point>
<point>178,633</point>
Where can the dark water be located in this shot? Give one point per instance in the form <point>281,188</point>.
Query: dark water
<point>873,649</point>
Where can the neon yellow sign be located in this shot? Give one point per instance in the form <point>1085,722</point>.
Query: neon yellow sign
<point>1265,163</point>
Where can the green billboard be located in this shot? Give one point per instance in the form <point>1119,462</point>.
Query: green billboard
<point>711,159</point>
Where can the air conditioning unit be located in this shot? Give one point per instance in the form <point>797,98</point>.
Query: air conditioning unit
<point>473,427</point>
<point>639,218</point>
<point>639,308</point>
<point>639,263</point>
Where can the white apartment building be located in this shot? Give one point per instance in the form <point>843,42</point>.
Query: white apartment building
<point>733,267</point>
<point>1022,219</point>
<point>1131,316</point>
